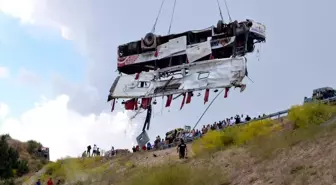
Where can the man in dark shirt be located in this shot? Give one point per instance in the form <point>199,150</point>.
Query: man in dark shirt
<point>247,118</point>
<point>182,149</point>
<point>237,118</point>
<point>38,182</point>
<point>88,150</point>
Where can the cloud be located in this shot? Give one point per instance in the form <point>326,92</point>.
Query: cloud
<point>4,72</point>
<point>92,26</point>
<point>26,77</point>
<point>67,132</point>
<point>79,115</point>
<point>4,110</point>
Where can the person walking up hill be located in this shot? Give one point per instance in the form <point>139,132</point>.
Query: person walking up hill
<point>50,182</point>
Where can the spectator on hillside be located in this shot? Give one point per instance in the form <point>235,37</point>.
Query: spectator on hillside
<point>38,182</point>
<point>137,148</point>
<point>247,118</point>
<point>58,182</point>
<point>182,149</point>
<point>50,182</point>
<point>88,150</point>
<point>157,142</point>
<point>175,134</point>
<point>113,151</point>
<point>84,154</point>
<point>204,130</point>
<point>228,121</point>
<point>134,149</point>
<point>94,151</point>
<point>149,146</point>
<point>232,121</point>
<point>98,152</point>
<point>144,148</point>
<point>237,119</point>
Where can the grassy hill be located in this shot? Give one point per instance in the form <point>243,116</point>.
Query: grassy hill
<point>299,149</point>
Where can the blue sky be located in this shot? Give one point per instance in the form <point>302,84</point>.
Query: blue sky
<point>70,47</point>
<point>45,56</point>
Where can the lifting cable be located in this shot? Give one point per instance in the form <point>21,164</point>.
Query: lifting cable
<point>227,10</point>
<point>157,17</point>
<point>171,18</point>
<point>220,11</point>
<point>207,108</point>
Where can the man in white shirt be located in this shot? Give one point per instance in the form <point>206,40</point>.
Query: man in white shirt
<point>232,121</point>
<point>94,151</point>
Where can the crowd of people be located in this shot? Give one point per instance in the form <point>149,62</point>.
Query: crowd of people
<point>174,137</point>
<point>95,151</point>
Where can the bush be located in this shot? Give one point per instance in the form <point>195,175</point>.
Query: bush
<point>22,168</point>
<point>33,146</point>
<point>7,182</point>
<point>301,117</point>
<point>235,135</point>
<point>310,114</point>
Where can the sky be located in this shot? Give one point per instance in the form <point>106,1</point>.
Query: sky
<point>58,61</point>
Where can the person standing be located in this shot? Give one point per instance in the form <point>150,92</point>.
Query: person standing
<point>50,182</point>
<point>182,149</point>
<point>38,182</point>
<point>88,150</point>
<point>94,151</point>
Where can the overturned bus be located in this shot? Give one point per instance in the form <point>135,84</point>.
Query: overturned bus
<point>157,52</point>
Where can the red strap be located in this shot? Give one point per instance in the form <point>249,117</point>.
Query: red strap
<point>136,104</point>
<point>129,104</point>
<point>211,57</point>
<point>113,103</point>
<point>189,97</point>
<point>169,100</point>
<point>226,92</point>
<point>137,76</point>
<point>206,95</point>
<point>145,102</point>
<point>184,96</point>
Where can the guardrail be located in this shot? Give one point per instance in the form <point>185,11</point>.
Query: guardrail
<point>330,100</point>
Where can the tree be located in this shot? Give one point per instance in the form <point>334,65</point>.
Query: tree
<point>33,146</point>
<point>5,165</point>
<point>22,168</point>
<point>9,161</point>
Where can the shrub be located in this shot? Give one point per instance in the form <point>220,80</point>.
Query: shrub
<point>310,114</point>
<point>235,135</point>
<point>302,116</point>
<point>22,168</point>
<point>33,146</point>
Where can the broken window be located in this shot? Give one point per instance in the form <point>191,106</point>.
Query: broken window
<point>143,84</point>
<point>203,75</point>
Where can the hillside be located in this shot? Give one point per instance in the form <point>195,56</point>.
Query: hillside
<point>28,151</point>
<point>19,158</point>
<point>299,149</point>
